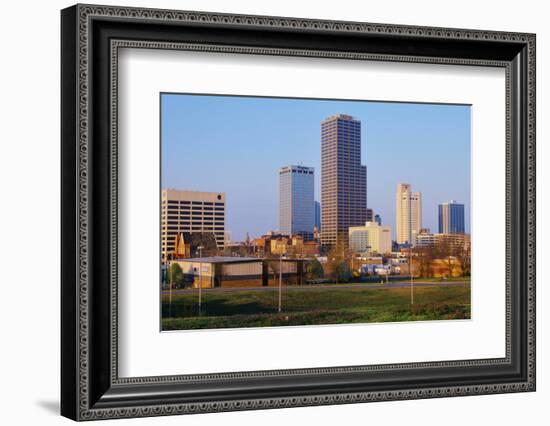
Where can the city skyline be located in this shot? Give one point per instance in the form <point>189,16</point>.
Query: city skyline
<point>400,143</point>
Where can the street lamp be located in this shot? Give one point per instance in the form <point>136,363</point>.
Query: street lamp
<point>199,248</point>
<point>411,274</point>
<point>367,257</point>
<point>170,286</point>
<point>280,281</point>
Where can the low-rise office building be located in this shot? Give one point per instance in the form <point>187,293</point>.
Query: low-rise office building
<point>190,212</point>
<point>370,238</point>
<point>453,242</point>
<point>424,238</point>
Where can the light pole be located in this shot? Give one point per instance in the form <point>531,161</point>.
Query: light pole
<point>170,292</point>
<point>200,277</point>
<point>280,281</point>
<point>411,274</point>
<point>367,257</point>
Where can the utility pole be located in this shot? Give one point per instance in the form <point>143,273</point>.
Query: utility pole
<point>280,281</point>
<point>200,277</point>
<point>170,292</point>
<point>411,274</point>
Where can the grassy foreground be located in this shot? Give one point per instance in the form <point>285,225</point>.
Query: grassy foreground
<point>314,306</point>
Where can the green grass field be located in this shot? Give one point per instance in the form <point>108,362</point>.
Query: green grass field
<point>245,308</point>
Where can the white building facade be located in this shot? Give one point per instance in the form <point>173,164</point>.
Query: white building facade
<point>191,212</point>
<point>370,238</point>
<point>408,214</point>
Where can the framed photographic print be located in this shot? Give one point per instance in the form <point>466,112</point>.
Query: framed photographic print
<point>263,212</point>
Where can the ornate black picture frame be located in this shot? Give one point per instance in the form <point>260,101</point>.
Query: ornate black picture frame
<point>91,36</point>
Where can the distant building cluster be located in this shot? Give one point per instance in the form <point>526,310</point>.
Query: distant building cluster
<point>408,217</point>
<point>277,244</point>
<point>343,187</point>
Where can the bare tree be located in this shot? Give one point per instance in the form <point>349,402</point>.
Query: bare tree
<point>338,261</point>
<point>424,259</point>
<point>465,260</point>
<point>447,253</point>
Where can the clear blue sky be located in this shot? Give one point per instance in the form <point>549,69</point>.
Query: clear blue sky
<point>237,144</point>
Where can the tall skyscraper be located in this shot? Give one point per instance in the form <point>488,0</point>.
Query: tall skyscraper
<point>343,178</point>
<point>191,212</point>
<point>451,218</point>
<point>296,202</point>
<point>408,213</point>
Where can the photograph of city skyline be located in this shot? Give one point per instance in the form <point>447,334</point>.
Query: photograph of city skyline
<point>292,212</point>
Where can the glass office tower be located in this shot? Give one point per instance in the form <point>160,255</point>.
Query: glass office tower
<point>451,218</point>
<point>296,201</point>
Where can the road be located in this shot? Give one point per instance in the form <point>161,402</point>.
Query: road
<point>399,284</point>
